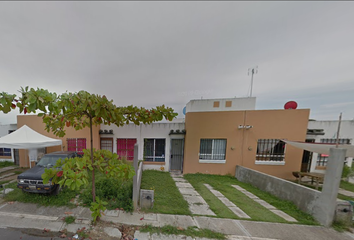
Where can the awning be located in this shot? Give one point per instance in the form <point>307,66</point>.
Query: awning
<point>321,147</point>
<point>27,138</point>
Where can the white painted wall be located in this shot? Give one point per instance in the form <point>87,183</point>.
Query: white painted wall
<point>330,129</point>
<point>4,130</point>
<point>154,130</point>
<point>207,105</point>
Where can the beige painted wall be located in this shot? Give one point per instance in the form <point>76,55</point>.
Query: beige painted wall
<point>36,123</point>
<point>267,124</point>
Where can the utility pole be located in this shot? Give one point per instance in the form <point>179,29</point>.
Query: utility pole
<point>339,122</point>
<point>252,71</point>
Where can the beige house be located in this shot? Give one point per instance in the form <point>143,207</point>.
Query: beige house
<point>219,138</point>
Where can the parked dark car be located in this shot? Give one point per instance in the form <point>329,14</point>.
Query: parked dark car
<point>31,180</point>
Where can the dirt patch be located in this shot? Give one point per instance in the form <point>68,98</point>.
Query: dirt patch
<point>40,233</point>
<point>94,233</point>
<point>97,232</point>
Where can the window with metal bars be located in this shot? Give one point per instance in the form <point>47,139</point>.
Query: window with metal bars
<point>323,158</point>
<point>125,147</point>
<point>212,149</point>
<point>5,152</point>
<point>270,150</point>
<point>154,150</point>
<point>107,144</point>
<point>76,145</point>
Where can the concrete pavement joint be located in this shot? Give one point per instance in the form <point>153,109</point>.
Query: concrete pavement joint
<point>243,229</point>
<point>3,205</point>
<point>196,222</point>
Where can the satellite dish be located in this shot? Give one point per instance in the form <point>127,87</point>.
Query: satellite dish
<point>290,105</point>
<point>184,111</point>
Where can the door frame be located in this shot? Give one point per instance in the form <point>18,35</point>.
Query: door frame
<point>170,162</point>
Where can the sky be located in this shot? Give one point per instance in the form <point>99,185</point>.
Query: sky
<point>153,53</point>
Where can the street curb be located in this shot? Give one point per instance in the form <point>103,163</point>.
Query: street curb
<point>30,216</point>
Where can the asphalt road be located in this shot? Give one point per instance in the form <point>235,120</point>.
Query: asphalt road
<point>26,234</point>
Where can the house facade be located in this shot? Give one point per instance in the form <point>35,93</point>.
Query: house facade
<point>215,136</point>
<point>156,142</point>
<point>7,154</point>
<point>326,132</point>
<point>218,138</point>
<point>72,141</point>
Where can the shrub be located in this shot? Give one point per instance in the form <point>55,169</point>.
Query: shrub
<point>347,171</point>
<point>118,194</point>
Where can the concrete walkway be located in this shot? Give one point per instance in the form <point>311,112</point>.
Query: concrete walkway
<point>346,193</point>
<point>236,229</point>
<point>5,169</point>
<point>236,210</point>
<point>266,205</point>
<point>197,205</point>
<point>21,215</point>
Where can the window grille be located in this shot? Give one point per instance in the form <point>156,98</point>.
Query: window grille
<point>270,150</point>
<point>212,149</point>
<point>5,152</point>
<point>125,147</point>
<point>323,158</point>
<point>76,145</point>
<point>107,144</point>
<point>154,150</point>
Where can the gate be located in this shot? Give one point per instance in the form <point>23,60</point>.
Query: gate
<point>177,154</point>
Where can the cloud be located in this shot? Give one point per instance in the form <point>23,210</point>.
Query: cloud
<point>155,53</point>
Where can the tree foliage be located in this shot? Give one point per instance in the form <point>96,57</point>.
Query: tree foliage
<point>80,110</point>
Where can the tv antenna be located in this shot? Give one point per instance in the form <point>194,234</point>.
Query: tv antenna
<point>252,71</point>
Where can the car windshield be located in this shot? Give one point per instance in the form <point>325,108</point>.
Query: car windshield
<point>50,161</point>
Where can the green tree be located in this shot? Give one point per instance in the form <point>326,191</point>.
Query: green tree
<point>79,110</point>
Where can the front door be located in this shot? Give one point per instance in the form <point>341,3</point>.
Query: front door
<point>177,154</point>
<point>307,158</point>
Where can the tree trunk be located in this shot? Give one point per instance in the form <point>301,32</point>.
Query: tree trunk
<point>93,170</point>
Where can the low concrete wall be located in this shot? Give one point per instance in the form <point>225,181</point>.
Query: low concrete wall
<point>304,198</point>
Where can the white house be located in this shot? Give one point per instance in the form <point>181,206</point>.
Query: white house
<point>158,142</point>
<point>6,153</point>
<point>326,132</point>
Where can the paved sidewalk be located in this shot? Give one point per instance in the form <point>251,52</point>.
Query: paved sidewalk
<point>21,215</point>
<point>4,169</point>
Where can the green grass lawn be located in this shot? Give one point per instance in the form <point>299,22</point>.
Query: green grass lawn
<point>118,194</point>
<point>6,164</point>
<point>63,199</point>
<point>347,186</point>
<point>168,199</point>
<point>252,208</point>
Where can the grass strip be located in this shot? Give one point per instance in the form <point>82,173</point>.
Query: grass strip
<point>190,231</point>
<point>6,164</point>
<point>63,199</point>
<point>168,199</point>
<point>347,186</point>
<point>252,208</point>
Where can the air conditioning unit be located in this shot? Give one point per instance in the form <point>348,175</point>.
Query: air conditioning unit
<point>146,198</point>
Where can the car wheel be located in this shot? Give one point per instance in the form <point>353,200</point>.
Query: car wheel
<point>56,190</point>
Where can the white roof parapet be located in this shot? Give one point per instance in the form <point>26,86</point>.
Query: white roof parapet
<point>221,104</point>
